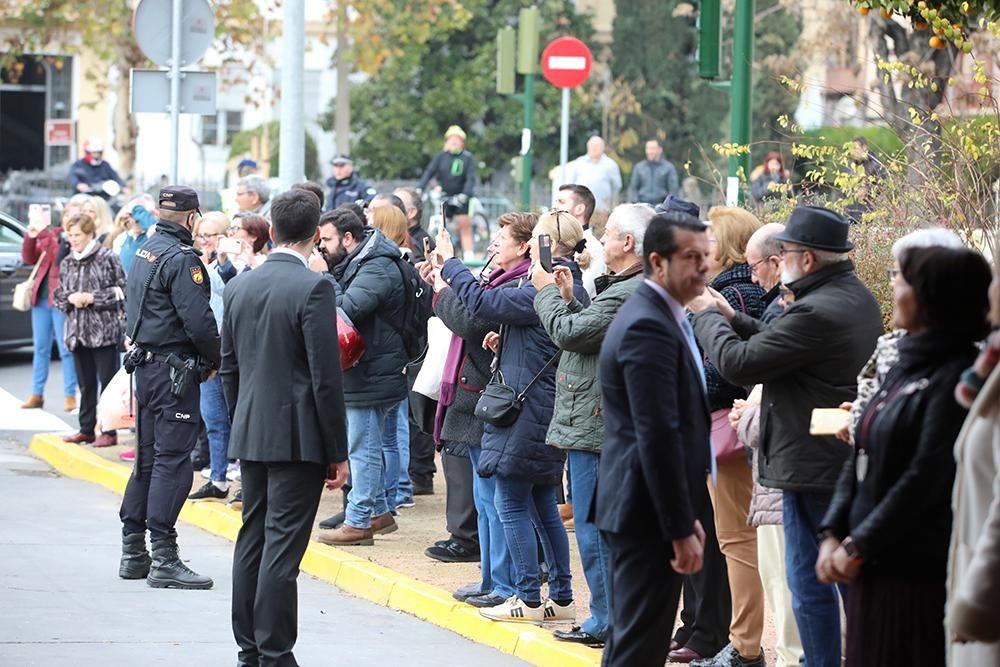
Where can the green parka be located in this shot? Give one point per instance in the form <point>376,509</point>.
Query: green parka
<point>578,331</point>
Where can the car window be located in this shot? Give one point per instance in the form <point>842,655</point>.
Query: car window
<point>10,238</point>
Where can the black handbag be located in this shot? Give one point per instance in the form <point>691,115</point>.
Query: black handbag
<point>499,404</point>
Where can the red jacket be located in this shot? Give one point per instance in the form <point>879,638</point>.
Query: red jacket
<point>47,241</point>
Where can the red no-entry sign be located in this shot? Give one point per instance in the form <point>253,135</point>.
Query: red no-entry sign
<point>566,62</point>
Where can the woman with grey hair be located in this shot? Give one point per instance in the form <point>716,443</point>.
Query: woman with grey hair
<point>886,354</point>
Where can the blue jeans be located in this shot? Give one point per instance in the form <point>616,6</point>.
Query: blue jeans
<point>495,564</point>
<point>524,507</point>
<point>404,488</point>
<point>364,452</point>
<point>46,322</point>
<point>215,414</point>
<point>583,470</point>
<point>390,456</point>
<point>815,605</point>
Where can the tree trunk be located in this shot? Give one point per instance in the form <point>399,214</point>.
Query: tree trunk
<point>126,129</point>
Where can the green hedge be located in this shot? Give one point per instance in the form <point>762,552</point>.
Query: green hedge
<point>881,139</point>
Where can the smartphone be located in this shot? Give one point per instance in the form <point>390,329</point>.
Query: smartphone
<point>828,421</point>
<point>228,246</point>
<point>545,252</point>
<point>427,248</point>
<point>39,216</point>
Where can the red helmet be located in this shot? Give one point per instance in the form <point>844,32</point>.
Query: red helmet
<point>352,346</point>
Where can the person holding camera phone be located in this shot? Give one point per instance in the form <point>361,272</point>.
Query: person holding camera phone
<point>44,246</point>
<point>528,472</point>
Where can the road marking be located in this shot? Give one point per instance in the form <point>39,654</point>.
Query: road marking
<point>13,418</point>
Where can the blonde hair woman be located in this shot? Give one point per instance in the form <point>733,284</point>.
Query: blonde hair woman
<point>392,222</point>
<point>98,210</point>
<point>566,234</point>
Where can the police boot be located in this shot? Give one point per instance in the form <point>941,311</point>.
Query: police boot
<point>135,558</point>
<point>169,572</point>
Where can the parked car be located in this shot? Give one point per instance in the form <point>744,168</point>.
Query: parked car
<point>15,326</point>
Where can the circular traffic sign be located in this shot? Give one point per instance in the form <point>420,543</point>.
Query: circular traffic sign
<point>151,25</point>
<point>566,62</point>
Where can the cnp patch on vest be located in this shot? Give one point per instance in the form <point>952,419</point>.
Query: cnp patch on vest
<point>197,275</point>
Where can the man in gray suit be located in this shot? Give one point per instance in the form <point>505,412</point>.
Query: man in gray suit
<point>281,375</point>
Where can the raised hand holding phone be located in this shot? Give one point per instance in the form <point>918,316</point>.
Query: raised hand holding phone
<point>39,218</point>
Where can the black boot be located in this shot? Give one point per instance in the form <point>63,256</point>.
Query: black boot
<point>168,571</point>
<point>135,558</point>
<point>338,518</point>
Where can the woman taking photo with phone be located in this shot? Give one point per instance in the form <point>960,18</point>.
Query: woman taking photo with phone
<point>91,293</point>
<point>527,471</point>
<point>44,246</point>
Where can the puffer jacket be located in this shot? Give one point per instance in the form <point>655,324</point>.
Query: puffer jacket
<point>371,295</point>
<point>765,503</point>
<point>519,450</point>
<point>100,273</point>
<point>578,331</point>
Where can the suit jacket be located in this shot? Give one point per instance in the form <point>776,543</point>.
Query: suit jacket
<point>655,456</point>
<point>281,365</point>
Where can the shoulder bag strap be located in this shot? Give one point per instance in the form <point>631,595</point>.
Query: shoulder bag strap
<point>538,375</point>
<point>38,265</point>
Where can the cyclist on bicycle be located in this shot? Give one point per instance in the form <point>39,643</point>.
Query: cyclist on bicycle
<point>454,169</point>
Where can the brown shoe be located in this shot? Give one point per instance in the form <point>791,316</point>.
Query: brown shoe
<point>683,654</point>
<point>79,438</point>
<point>384,524</point>
<point>566,511</point>
<point>69,403</point>
<point>106,440</point>
<point>34,401</point>
<point>346,536</point>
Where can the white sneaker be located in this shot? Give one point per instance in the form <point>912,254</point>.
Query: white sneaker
<point>514,610</point>
<point>555,612</point>
<point>206,473</point>
<point>233,474</point>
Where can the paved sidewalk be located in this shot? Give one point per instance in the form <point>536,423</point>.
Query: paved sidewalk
<point>63,603</point>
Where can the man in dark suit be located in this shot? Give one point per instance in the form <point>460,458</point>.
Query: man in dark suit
<point>657,452</point>
<point>281,375</point>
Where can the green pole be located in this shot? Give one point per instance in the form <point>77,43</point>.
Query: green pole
<point>742,80</point>
<point>529,108</point>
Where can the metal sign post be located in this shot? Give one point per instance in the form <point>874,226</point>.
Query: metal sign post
<point>175,87</point>
<point>566,63</point>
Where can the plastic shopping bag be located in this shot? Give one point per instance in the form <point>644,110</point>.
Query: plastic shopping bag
<point>113,410</point>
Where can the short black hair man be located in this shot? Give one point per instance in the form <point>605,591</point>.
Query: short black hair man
<point>175,338</point>
<point>284,389</point>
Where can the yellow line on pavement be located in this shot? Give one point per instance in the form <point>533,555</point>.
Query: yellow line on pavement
<point>348,572</point>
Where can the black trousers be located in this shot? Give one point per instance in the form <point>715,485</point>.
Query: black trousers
<point>279,507</point>
<point>460,506</point>
<point>708,605</point>
<point>94,366</point>
<point>422,466</point>
<point>645,592</point>
<point>166,430</point>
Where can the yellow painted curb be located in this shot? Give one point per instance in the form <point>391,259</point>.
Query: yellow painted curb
<point>351,573</point>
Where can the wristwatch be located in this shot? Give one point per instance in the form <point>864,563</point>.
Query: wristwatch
<point>852,550</point>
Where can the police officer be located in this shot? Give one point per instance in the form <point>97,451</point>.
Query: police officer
<point>176,346</point>
<point>346,187</point>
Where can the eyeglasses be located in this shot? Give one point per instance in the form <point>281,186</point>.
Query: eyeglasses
<point>787,251</point>
<point>892,273</point>
<point>753,267</point>
<point>241,194</point>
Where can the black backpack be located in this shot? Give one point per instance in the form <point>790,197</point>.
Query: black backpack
<point>417,309</point>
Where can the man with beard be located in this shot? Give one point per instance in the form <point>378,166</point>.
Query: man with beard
<point>807,358</point>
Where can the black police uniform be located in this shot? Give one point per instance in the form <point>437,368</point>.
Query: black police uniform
<point>177,324</point>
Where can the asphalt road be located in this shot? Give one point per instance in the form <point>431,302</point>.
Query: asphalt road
<point>63,603</point>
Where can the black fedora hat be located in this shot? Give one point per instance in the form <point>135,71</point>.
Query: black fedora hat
<point>817,227</point>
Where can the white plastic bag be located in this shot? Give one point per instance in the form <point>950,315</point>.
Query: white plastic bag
<point>428,380</point>
<point>113,410</point>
